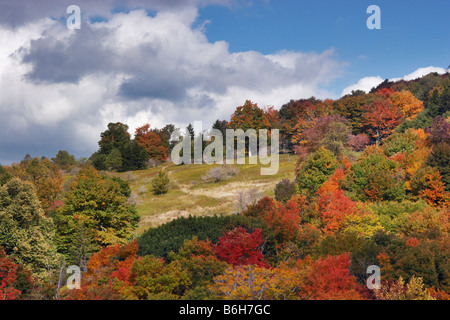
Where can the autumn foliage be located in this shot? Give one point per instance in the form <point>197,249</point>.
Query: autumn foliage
<point>8,278</point>
<point>239,247</point>
<point>151,142</point>
<point>371,187</point>
<point>380,118</point>
<point>330,279</point>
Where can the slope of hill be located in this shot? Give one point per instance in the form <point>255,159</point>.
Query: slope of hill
<point>191,193</point>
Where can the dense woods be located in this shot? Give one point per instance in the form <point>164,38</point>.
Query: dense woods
<point>371,187</point>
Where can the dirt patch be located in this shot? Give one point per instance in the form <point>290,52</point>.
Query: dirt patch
<point>151,221</point>
<point>226,192</point>
<point>159,219</point>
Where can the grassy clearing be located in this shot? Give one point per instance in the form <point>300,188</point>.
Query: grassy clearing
<point>191,195</point>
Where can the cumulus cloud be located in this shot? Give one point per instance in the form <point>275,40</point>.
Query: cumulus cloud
<point>60,87</point>
<point>419,73</point>
<point>19,12</point>
<point>366,84</point>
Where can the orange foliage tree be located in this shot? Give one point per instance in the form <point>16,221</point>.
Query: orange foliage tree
<point>434,193</point>
<point>282,220</point>
<point>250,116</point>
<point>151,142</point>
<point>405,101</point>
<point>108,274</point>
<point>330,279</point>
<point>334,208</point>
<point>380,118</point>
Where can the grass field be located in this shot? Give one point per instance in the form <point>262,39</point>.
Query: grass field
<point>190,194</point>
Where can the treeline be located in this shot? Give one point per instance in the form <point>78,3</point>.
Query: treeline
<point>343,126</point>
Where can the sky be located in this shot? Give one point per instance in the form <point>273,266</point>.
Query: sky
<point>180,61</point>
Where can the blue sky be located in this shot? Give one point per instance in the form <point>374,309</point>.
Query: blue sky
<point>414,33</point>
<point>180,61</point>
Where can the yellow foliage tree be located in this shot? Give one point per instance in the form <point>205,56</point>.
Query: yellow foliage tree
<point>414,290</point>
<point>255,283</point>
<point>405,100</point>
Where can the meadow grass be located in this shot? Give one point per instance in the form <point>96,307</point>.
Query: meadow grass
<point>189,194</point>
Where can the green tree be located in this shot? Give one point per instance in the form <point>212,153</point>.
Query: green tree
<point>400,143</point>
<point>113,160</point>
<point>284,190</point>
<point>116,137</point>
<point>64,160</point>
<point>337,139</point>
<point>375,177</point>
<point>351,107</point>
<point>134,157</point>
<point>5,176</point>
<point>165,134</point>
<point>222,126</point>
<point>199,260</point>
<point>95,206</point>
<point>171,236</point>
<point>315,170</point>
<point>45,176</point>
<point>161,183</point>
<point>25,232</point>
<point>440,159</point>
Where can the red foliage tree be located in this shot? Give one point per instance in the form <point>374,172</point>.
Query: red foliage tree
<point>282,220</point>
<point>330,279</point>
<point>108,273</point>
<point>439,130</point>
<point>8,277</point>
<point>238,247</point>
<point>273,117</point>
<point>151,142</point>
<point>334,207</point>
<point>380,118</point>
<point>385,92</point>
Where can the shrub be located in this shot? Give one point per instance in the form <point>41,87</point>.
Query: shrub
<point>245,198</point>
<point>220,173</point>
<point>160,183</point>
<point>284,190</point>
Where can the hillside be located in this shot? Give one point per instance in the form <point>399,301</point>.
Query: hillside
<point>189,194</point>
<point>363,184</point>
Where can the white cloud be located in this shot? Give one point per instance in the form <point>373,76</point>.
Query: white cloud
<point>60,88</point>
<point>21,12</point>
<point>419,73</point>
<point>367,83</point>
<point>364,84</point>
